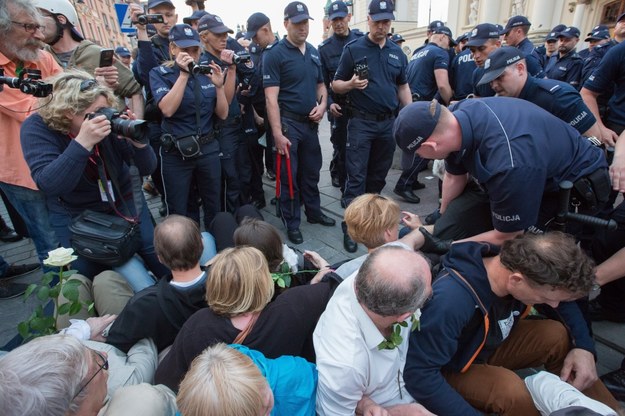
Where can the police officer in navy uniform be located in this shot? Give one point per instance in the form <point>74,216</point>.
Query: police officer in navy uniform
<point>566,65</point>
<point>372,70</point>
<point>428,76</point>
<point>461,70</point>
<point>330,51</point>
<point>550,46</point>
<point>600,43</point>
<point>515,150</point>
<point>508,76</point>
<point>484,39</point>
<point>515,34</point>
<point>296,101</point>
<point>235,167</point>
<point>190,102</point>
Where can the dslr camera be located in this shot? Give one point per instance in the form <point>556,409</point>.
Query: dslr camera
<point>150,19</point>
<point>136,130</point>
<point>196,69</point>
<point>29,82</point>
<point>361,69</point>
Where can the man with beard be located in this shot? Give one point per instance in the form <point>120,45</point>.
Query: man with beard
<point>21,40</point>
<point>373,105</point>
<point>566,65</point>
<point>296,100</point>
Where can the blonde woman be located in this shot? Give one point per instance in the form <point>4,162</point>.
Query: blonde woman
<point>65,143</point>
<point>238,293</point>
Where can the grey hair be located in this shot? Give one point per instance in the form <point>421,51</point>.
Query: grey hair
<point>5,16</point>
<point>42,376</point>
<point>389,293</point>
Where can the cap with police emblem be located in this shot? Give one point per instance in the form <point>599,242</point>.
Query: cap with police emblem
<point>498,61</point>
<point>122,51</point>
<point>515,21</point>
<point>381,10</point>
<point>397,38</point>
<point>598,35</point>
<point>213,24</point>
<point>184,36</point>
<point>463,37</point>
<point>154,3</point>
<point>255,22</point>
<point>296,12</point>
<point>337,10</point>
<point>196,15</point>
<point>434,24</point>
<point>597,28</point>
<point>415,123</point>
<point>553,35</point>
<point>482,33</point>
<point>569,32</point>
<point>444,30</point>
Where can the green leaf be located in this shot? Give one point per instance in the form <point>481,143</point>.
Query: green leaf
<point>64,309</point>
<point>69,272</point>
<point>280,282</point>
<point>54,291</point>
<point>396,339</point>
<point>70,290</point>
<point>43,293</point>
<point>29,290</point>
<point>287,280</point>
<point>403,324</point>
<point>90,307</point>
<point>24,329</point>
<point>47,278</point>
<point>75,308</point>
<point>38,324</point>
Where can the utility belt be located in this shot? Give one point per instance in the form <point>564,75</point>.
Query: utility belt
<point>230,121</point>
<point>189,147</point>
<point>352,112</point>
<point>591,192</point>
<point>299,118</point>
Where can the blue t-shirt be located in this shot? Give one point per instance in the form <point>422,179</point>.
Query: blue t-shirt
<point>183,122</point>
<point>461,75</point>
<point>517,151</point>
<point>561,100</point>
<point>330,51</point>
<point>610,74</point>
<point>387,71</point>
<point>420,70</point>
<point>295,73</point>
<point>567,69</point>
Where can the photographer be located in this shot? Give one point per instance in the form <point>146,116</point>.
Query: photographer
<point>189,100</point>
<point>63,146</point>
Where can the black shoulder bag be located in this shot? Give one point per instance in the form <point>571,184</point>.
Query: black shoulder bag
<point>109,239</point>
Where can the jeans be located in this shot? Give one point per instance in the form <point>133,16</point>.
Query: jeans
<point>31,205</point>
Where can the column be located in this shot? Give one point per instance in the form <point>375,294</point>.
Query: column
<point>489,11</point>
<point>542,15</point>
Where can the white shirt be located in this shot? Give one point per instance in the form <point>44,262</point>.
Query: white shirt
<point>349,362</point>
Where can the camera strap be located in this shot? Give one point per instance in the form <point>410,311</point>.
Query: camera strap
<point>198,102</point>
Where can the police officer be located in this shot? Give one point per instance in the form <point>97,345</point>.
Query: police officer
<point>566,65</point>
<point>194,19</point>
<point>550,46</point>
<point>515,34</point>
<point>461,70</point>
<point>232,145</point>
<point>296,101</point>
<point>427,74</point>
<point>484,39</point>
<point>508,76</point>
<point>370,145</point>
<point>330,52</point>
<point>594,52</point>
<point>516,151</point>
<point>190,102</point>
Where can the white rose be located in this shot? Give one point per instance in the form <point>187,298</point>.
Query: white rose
<point>60,257</point>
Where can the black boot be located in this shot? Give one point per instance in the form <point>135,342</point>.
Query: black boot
<point>434,244</point>
<point>350,245</point>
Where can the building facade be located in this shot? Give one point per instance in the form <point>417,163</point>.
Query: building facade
<point>99,24</point>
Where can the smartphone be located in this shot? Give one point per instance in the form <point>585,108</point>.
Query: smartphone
<point>106,57</point>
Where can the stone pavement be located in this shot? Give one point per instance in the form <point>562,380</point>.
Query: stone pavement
<point>327,241</point>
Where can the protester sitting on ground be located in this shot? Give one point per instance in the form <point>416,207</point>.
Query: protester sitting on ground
<point>238,292</point>
<point>159,311</point>
<point>64,144</point>
<point>233,380</point>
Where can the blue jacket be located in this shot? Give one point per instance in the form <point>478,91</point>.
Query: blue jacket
<point>459,327</point>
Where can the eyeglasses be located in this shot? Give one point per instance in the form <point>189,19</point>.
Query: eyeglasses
<point>88,84</point>
<point>30,27</point>
<point>103,366</point>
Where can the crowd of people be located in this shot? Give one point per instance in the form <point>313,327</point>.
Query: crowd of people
<point>215,315</point>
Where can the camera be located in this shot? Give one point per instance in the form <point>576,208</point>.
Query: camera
<point>135,130</point>
<point>200,69</point>
<point>241,58</point>
<point>150,19</point>
<point>361,69</point>
<point>29,82</point>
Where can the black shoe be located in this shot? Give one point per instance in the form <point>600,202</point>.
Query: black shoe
<point>271,175</point>
<point>295,236</point>
<point>407,196</point>
<point>348,244</point>
<point>434,244</point>
<point>322,219</point>
<point>19,270</point>
<point>615,382</point>
<point>259,203</point>
<point>9,236</point>
<point>335,182</point>
<point>417,185</point>
<point>273,201</point>
<point>596,312</point>
<point>12,290</point>
<point>433,217</point>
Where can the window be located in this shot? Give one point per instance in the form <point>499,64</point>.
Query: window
<point>611,11</point>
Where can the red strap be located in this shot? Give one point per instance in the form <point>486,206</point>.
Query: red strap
<point>278,173</point>
<point>290,177</point>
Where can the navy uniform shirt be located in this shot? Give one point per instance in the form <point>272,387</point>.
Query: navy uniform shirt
<point>387,71</point>
<point>257,93</point>
<point>561,100</point>
<point>461,75</point>
<point>584,53</point>
<point>594,58</point>
<point>533,60</point>
<point>297,75</point>
<point>183,122</point>
<point>611,74</point>
<point>330,51</point>
<point>420,70</point>
<point>483,90</point>
<point>517,152</point>
<point>567,69</point>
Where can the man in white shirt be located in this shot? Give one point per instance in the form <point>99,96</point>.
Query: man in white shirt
<point>361,348</point>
